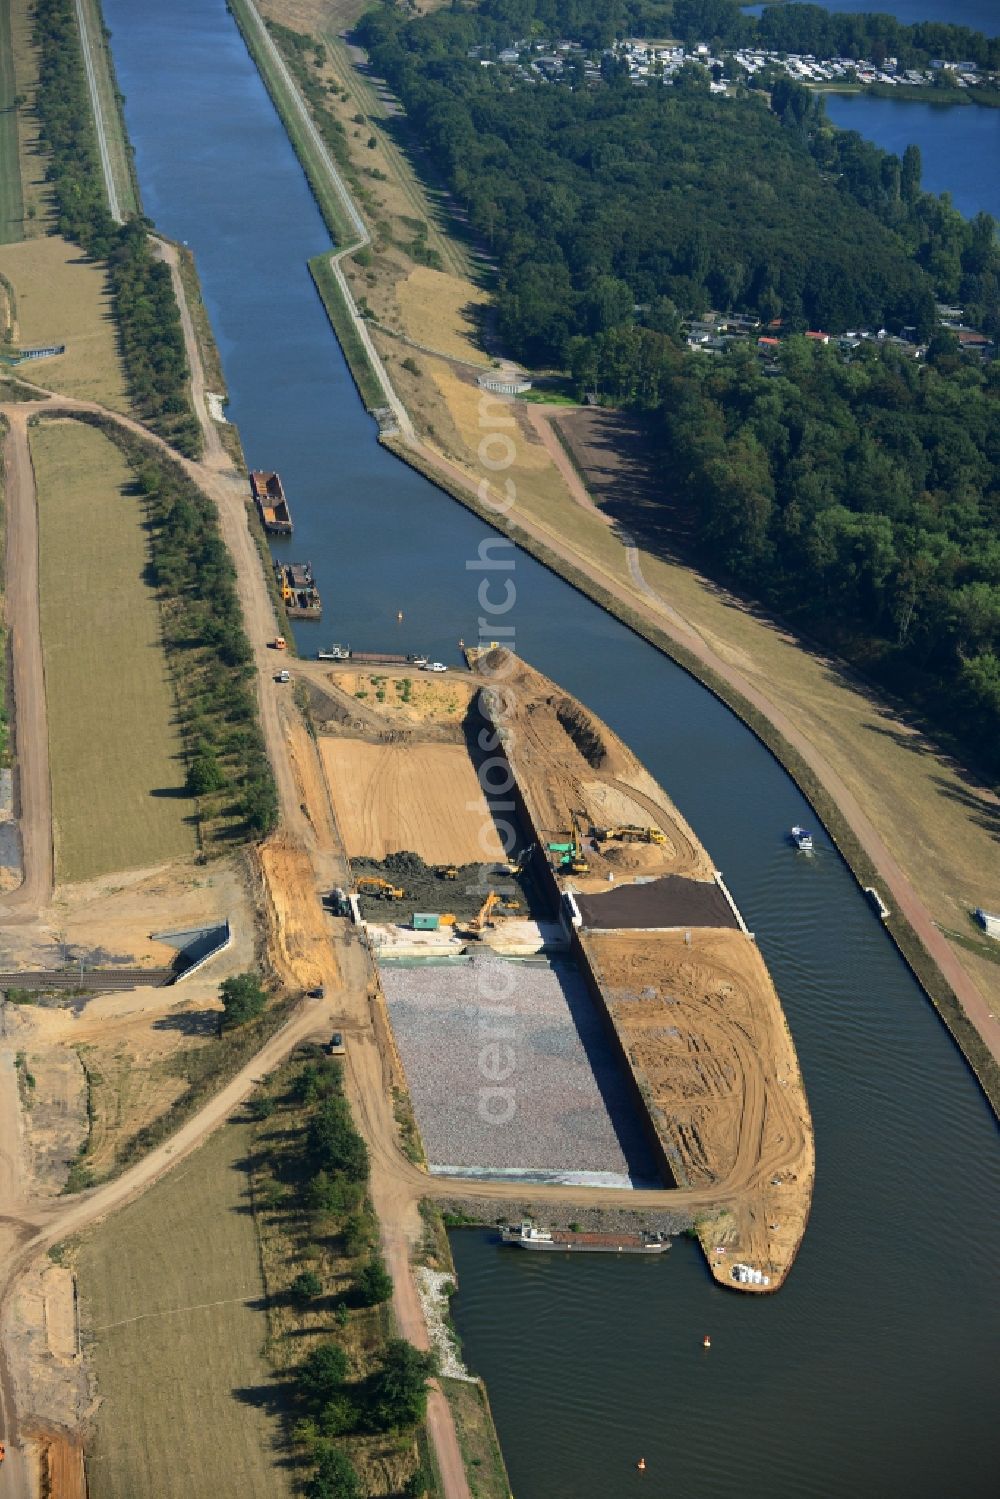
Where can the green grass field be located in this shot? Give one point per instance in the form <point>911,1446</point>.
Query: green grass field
<point>114,750</point>
<point>11,204</point>
<point>169,1290</point>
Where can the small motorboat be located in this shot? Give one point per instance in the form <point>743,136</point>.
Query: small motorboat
<point>803,840</point>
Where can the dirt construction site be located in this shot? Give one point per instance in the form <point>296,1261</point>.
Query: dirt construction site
<point>686,995</point>
<point>655,1044</point>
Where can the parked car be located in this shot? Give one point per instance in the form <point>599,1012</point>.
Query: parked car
<point>282,676</point>
<point>335,1046</point>
<point>435,666</point>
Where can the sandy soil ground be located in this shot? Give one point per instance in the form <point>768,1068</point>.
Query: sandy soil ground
<point>705,1035</point>
<point>574,766</point>
<point>406,696</point>
<point>697,1013</point>
<point>422,797</point>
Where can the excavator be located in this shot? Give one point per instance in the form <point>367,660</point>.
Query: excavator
<point>493,902</point>
<point>370,884</point>
<point>446,872</point>
<point>631,832</point>
<point>571,853</point>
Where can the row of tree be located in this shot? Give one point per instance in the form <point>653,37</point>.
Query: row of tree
<point>332,1399</point>
<point>149,326</point>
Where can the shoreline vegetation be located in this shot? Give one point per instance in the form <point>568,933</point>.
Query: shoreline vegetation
<point>152,341</point>
<point>971,1044</point>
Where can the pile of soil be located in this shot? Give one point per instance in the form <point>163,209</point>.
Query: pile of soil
<point>427,888</point>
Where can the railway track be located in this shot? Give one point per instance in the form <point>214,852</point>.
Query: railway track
<point>96,979</point>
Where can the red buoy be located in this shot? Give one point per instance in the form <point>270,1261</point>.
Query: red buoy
<point>706,1341</point>
<point>641,1465</point>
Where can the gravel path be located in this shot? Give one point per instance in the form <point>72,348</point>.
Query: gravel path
<point>511,1071</point>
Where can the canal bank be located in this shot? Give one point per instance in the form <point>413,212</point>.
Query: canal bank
<point>874,1359</point>
<point>927,951</point>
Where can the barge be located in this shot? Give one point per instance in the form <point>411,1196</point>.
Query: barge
<point>298,590</point>
<point>272,506</point>
<point>527,1236</point>
<point>368,658</point>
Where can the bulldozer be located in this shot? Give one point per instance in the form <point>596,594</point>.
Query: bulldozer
<point>381,889</point>
<point>630,832</point>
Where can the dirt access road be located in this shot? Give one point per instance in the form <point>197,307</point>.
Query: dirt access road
<point>31,734</point>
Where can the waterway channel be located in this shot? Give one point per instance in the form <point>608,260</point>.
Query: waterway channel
<point>871,1373</point>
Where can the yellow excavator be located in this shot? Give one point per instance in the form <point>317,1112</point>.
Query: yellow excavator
<point>493,902</point>
<point>370,884</point>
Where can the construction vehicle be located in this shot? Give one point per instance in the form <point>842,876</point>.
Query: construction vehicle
<point>630,832</point>
<point>371,884</point>
<point>492,903</point>
<point>448,919</point>
<point>279,643</point>
<point>446,872</point>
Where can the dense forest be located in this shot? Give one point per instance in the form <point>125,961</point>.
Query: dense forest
<point>152,342</point>
<point>859,496</point>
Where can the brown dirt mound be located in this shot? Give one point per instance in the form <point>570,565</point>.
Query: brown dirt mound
<point>584,732</point>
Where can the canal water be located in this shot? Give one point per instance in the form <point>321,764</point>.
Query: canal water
<point>871,1373</point>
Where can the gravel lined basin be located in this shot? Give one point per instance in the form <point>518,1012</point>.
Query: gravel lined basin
<point>512,1073</point>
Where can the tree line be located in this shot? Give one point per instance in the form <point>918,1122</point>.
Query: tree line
<point>324,1171</point>
<point>149,326</point>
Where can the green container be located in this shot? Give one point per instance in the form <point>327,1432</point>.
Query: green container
<point>426,921</point>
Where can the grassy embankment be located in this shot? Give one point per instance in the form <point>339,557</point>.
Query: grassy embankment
<point>109,96</point>
<point>11,202</point>
<point>327,199</point>
<point>171,1299</point>
<point>115,753</point>
<point>64,298</point>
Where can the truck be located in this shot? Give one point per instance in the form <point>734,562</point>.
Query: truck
<point>282,676</point>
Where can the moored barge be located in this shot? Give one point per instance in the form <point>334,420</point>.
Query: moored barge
<point>272,506</point>
<point>298,590</point>
<point>527,1236</point>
